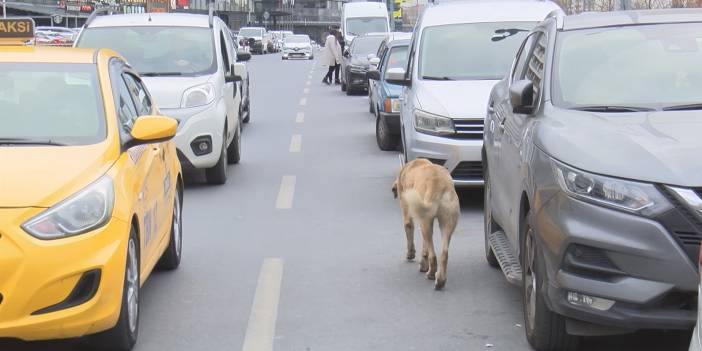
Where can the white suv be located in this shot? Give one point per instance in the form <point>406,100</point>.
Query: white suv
<point>458,52</point>
<point>189,64</point>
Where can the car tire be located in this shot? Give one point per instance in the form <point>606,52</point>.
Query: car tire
<point>247,119</point>
<point>545,330</point>
<point>349,91</point>
<point>370,106</point>
<point>170,259</point>
<point>385,140</point>
<point>234,149</point>
<point>217,175</point>
<point>123,336</point>
<point>489,222</point>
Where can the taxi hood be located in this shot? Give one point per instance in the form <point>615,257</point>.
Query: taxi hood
<point>455,99</point>
<point>657,146</point>
<point>43,176</point>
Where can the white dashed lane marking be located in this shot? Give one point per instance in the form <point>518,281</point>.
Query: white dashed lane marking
<point>296,143</point>
<point>260,332</point>
<point>303,101</point>
<point>300,117</point>
<point>286,194</point>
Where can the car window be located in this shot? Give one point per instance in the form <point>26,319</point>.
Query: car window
<point>537,60</point>
<point>470,51</point>
<point>366,46</point>
<point>155,50</point>
<point>224,51</point>
<point>126,110</point>
<point>521,59</point>
<point>60,103</point>
<point>382,56</point>
<point>652,66</point>
<point>397,58</point>
<point>139,95</point>
<point>362,25</point>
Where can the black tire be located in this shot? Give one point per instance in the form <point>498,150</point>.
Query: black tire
<point>234,149</point>
<point>370,105</point>
<point>385,140</point>
<point>217,175</point>
<point>489,222</point>
<point>170,259</point>
<point>123,336</point>
<point>349,91</point>
<point>343,86</point>
<point>545,330</point>
<point>247,119</point>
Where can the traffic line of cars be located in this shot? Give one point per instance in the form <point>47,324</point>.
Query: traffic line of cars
<point>92,188</point>
<point>582,130</point>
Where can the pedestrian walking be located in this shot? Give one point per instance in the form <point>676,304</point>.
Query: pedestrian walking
<point>332,52</point>
<point>340,41</point>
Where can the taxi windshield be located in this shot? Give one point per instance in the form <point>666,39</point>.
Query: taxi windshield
<point>158,51</point>
<point>44,103</point>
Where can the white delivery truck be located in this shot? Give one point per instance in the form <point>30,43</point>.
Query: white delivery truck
<point>359,18</point>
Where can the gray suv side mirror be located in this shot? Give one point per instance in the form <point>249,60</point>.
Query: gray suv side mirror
<point>397,76</point>
<point>521,94</point>
<point>373,74</point>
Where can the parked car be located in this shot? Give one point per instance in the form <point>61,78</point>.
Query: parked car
<point>355,62</point>
<point>459,51</point>
<point>261,39</point>
<point>69,35</point>
<point>592,197</point>
<point>360,18</point>
<point>189,63</point>
<point>385,97</point>
<point>243,56</point>
<point>297,46</point>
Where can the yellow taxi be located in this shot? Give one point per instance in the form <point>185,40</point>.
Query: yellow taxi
<point>90,192</point>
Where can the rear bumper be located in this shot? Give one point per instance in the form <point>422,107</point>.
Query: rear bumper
<point>297,55</point>
<point>43,274</point>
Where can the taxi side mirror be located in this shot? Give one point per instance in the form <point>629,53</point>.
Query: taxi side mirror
<point>152,129</point>
<point>521,95</point>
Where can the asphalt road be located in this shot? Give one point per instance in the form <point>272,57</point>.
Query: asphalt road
<point>303,248</point>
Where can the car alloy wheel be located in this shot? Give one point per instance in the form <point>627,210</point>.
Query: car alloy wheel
<point>530,280</point>
<point>132,286</point>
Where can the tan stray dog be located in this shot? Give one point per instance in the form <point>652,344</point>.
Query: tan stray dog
<point>426,192</point>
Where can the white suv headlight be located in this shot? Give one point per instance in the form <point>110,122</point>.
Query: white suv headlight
<point>88,209</point>
<point>425,122</point>
<point>199,95</point>
<point>641,198</point>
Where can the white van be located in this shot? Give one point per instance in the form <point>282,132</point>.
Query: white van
<point>359,18</point>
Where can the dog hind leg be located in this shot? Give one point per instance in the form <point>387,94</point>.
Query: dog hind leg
<point>427,228</point>
<point>447,224</point>
<point>409,232</point>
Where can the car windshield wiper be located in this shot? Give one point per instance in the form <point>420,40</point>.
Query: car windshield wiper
<point>436,78</point>
<point>684,107</point>
<point>160,74</point>
<point>613,108</point>
<point>26,141</point>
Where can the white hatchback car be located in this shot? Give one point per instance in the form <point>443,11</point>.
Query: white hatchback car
<point>458,52</point>
<point>189,64</point>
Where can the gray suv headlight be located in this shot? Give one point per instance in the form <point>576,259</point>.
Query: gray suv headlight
<point>429,123</point>
<point>635,197</point>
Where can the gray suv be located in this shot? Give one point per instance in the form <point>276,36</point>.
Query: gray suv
<point>593,181</point>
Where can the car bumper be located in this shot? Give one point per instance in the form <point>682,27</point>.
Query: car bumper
<point>623,258</point>
<point>357,80</point>
<point>392,121</point>
<point>297,54</point>
<point>195,125</point>
<point>462,157</point>
<point>40,274</point>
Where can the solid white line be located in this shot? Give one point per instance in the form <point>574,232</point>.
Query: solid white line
<point>300,117</point>
<point>296,143</point>
<point>286,194</point>
<point>303,101</point>
<point>306,91</point>
<point>260,332</point>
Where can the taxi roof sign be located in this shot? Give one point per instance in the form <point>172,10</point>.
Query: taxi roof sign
<point>16,31</point>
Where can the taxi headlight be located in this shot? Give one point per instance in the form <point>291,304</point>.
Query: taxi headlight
<point>635,197</point>
<point>199,95</point>
<point>88,209</point>
<point>425,122</point>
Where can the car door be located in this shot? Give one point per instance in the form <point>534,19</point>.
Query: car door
<point>159,177</point>
<point>515,128</point>
<point>229,93</point>
<point>498,110</point>
<point>375,86</point>
<point>408,98</point>
<point>144,159</point>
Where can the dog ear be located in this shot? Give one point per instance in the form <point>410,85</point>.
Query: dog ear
<point>394,189</point>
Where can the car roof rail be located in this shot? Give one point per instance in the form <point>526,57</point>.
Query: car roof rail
<point>558,16</point>
<point>97,12</point>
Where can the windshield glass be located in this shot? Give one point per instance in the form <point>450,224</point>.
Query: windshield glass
<point>51,103</point>
<point>640,66</point>
<point>251,32</point>
<point>362,25</point>
<point>297,39</point>
<point>158,50</point>
<point>470,51</point>
<point>397,59</point>
<point>365,46</point>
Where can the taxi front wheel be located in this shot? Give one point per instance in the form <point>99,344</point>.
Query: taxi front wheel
<point>123,336</point>
<point>170,259</point>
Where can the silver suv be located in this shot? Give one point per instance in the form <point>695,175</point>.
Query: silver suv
<point>457,54</point>
<point>593,194</point>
